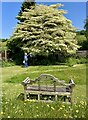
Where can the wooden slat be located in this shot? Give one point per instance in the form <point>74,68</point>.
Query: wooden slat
<point>26,81</point>
<point>49,88</point>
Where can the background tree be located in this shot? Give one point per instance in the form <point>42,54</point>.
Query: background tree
<point>80,32</point>
<point>85,44</point>
<point>81,39</point>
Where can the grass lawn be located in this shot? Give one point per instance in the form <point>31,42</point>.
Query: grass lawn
<point>13,107</point>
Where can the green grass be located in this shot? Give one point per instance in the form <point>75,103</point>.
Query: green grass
<point>18,74</point>
<point>14,107</point>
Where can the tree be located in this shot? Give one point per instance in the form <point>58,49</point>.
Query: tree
<point>85,43</point>
<point>44,31</point>
<point>81,32</point>
<point>81,39</point>
<point>86,27</point>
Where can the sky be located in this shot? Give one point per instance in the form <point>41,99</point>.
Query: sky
<point>9,11</point>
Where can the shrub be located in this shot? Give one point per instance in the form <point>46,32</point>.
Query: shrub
<point>72,61</point>
<point>82,60</point>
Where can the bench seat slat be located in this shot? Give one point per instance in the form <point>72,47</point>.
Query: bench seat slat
<point>49,88</point>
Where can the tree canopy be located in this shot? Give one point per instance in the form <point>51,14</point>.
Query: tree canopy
<point>26,4</point>
<point>44,30</point>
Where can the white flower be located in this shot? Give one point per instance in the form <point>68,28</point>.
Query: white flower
<point>8,116</point>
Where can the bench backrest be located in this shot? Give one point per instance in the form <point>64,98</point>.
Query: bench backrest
<point>49,82</point>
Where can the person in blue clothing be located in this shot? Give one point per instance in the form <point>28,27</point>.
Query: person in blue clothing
<point>25,60</point>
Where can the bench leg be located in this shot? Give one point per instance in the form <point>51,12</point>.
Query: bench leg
<point>70,99</point>
<point>55,97</point>
<point>64,98</point>
<point>38,96</point>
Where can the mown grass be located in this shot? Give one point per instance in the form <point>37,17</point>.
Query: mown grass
<point>18,74</point>
<point>14,107</point>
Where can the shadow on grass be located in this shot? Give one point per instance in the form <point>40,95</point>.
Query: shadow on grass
<point>43,97</point>
<point>20,97</point>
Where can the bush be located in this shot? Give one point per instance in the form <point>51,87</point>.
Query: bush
<point>82,60</point>
<point>72,61</point>
<point>52,59</point>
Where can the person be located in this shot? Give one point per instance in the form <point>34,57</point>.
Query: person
<point>25,60</point>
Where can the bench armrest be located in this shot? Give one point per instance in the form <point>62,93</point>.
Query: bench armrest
<point>26,81</point>
<point>71,82</point>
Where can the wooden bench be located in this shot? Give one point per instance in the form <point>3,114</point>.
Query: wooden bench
<point>47,84</point>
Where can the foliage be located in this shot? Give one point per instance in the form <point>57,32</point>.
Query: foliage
<point>86,27</point>
<point>16,52</point>
<point>51,59</point>
<point>26,4</point>
<point>71,61</point>
<point>81,32</point>
<point>3,45</point>
<point>81,39</point>
<point>7,63</point>
<point>85,44</point>
<point>45,30</point>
